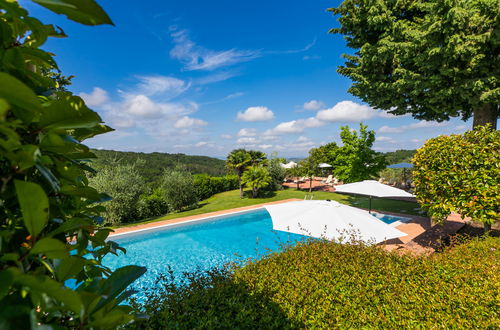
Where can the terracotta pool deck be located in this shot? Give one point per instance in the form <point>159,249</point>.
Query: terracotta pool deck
<point>422,237</point>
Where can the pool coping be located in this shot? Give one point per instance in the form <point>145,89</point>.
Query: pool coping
<point>172,223</point>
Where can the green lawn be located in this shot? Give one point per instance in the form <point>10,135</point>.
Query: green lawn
<point>231,199</point>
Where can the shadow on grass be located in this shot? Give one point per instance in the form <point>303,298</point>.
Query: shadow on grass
<point>209,300</point>
<point>385,204</point>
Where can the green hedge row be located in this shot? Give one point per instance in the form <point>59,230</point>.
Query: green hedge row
<point>207,186</point>
<point>325,285</point>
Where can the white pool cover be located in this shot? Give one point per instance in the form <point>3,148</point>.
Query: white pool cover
<point>330,220</point>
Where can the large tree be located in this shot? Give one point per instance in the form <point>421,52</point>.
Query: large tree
<point>355,160</point>
<point>433,59</point>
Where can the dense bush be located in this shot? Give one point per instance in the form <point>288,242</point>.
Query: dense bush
<point>460,173</point>
<point>48,212</point>
<point>322,285</point>
<point>125,185</point>
<point>178,189</point>
<point>152,204</point>
<point>207,185</point>
<point>277,174</point>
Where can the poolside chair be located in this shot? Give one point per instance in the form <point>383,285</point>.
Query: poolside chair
<point>328,180</point>
<point>300,180</point>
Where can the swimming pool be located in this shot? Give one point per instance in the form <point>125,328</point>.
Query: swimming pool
<point>199,245</point>
<point>392,220</point>
<point>205,243</point>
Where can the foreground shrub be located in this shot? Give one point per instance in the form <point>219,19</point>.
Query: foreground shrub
<point>325,285</point>
<point>207,186</point>
<point>460,173</point>
<point>178,189</point>
<point>125,185</point>
<point>48,212</point>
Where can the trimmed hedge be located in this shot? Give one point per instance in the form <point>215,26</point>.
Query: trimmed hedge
<point>320,284</point>
<point>207,186</point>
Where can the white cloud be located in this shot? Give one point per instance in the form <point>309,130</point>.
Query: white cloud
<point>388,129</point>
<point>255,114</point>
<point>265,146</point>
<point>289,127</point>
<point>347,111</point>
<point>302,139</point>
<point>311,57</point>
<point>385,139</point>
<point>247,132</point>
<point>295,126</point>
<point>186,122</point>
<point>313,105</point>
<point>226,136</point>
<point>246,140</point>
<point>195,57</point>
<point>151,85</point>
<point>97,97</point>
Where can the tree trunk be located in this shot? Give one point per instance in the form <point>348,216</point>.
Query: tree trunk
<point>310,184</point>
<point>241,186</point>
<point>486,114</point>
<point>254,192</point>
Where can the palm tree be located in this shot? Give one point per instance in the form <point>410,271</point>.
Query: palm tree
<point>238,160</point>
<point>256,177</point>
<point>257,157</point>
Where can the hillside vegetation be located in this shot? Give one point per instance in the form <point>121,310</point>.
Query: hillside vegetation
<point>152,165</point>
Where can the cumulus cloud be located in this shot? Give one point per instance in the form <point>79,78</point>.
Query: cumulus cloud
<point>195,57</point>
<point>313,105</point>
<point>187,122</point>
<point>295,126</point>
<point>247,132</point>
<point>347,111</point>
<point>255,114</point>
<point>246,140</point>
<point>97,97</point>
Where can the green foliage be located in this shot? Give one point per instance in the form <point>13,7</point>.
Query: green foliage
<point>48,211</point>
<point>323,285</point>
<point>309,168</point>
<point>256,177</point>
<point>460,173</point>
<point>433,59</point>
<point>153,164</point>
<point>125,185</point>
<point>179,189</point>
<point>207,186</point>
<point>152,204</point>
<point>355,160</point>
<point>399,156</point>
<point>238,160</point>
<point>277,174</point>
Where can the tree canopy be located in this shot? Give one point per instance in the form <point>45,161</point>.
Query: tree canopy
<point>355,160</point>
<point>432,59</point>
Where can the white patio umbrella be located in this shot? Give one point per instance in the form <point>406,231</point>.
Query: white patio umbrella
<point>324,165</point>
<point>289,165</point>
<point>372,188</point>
<point>330,220</point>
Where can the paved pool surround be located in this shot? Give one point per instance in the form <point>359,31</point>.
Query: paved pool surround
<point>422,237</point>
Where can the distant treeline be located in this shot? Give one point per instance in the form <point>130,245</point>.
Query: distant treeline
<point>399,156</point>
<point>152,165</point>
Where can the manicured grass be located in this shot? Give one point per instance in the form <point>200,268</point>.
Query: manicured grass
<point>231,199</point>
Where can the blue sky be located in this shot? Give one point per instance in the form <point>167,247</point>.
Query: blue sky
<point>200,77</point>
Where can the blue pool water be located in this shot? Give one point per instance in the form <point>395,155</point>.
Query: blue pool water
<point>390,219</point>
<point>200,246</point>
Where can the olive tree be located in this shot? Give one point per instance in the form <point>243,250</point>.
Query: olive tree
<point>433,59</point>
<point>125,185</point>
